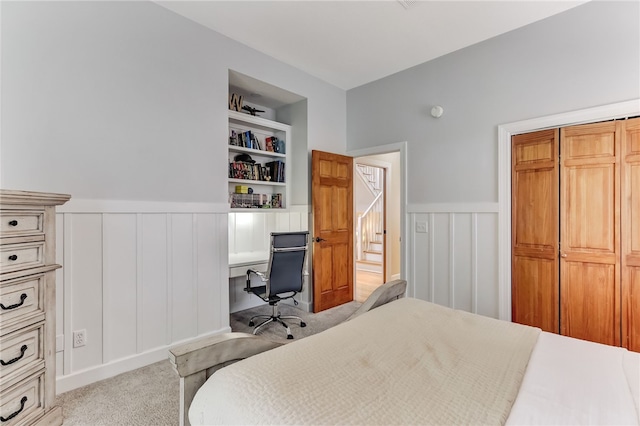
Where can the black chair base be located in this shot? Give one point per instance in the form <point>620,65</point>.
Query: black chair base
<point>275,318</point>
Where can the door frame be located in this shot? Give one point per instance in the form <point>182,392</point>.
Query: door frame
<point>505,131</point>
<point>400,147</point>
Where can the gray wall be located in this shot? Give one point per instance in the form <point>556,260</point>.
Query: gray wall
<point>127,100</point>
<point>587,56</point>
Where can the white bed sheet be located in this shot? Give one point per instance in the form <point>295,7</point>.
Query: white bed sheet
<point>575,382</point>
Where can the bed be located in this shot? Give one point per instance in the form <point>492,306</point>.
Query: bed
<point>408,362</point>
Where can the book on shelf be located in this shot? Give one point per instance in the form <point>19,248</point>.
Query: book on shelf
<point>268,144</point>
<point>255,171</point>
<point>248,201</point>
<point>276,169</point>
<point>248,139</point>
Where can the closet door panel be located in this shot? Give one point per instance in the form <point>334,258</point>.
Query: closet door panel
<point>534,232</point>
<point>537,301</point>
<point>590,232</point>
<point>631,234</point>
<point>590,205</point>
<point>589,302</point>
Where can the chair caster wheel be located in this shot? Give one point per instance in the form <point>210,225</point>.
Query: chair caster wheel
<point>251,324</point>
<point>303,324</point>
<point>289,336</point>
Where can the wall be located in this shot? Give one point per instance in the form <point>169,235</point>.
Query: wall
<point>128,101</point>
<point>123,105</point>
<point>587,56</point>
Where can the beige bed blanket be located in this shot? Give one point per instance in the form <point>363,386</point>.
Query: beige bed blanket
<point>407,362</point>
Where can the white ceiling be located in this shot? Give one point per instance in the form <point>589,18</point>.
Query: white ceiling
<point>351,43</point>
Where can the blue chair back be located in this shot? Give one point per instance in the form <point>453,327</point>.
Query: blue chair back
<point>286,262</point>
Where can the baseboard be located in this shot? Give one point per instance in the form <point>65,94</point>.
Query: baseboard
<point>123,365</point>
<point>305,306</point>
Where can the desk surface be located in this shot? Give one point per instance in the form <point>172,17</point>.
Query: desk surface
<point>248,258</point>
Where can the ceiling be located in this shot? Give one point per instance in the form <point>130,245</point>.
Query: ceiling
<point>351,43</point>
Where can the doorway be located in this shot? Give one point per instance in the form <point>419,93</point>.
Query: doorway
<point>377,225</point>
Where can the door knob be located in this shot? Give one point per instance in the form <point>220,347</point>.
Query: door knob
<point>318,239</point>
<point>563,255</point>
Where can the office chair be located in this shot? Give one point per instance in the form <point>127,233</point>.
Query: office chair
<point>284,276</point>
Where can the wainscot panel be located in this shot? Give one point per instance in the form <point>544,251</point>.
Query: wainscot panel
<point>454,255</point>
<point>137,277</point>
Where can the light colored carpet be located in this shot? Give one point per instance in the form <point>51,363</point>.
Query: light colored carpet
<point>146,396</point>
<point>150,395</point>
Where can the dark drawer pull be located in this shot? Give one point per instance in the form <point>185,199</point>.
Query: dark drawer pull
<point>22,402</point>
<point>13,257</point>
<point>13,223</point>
<point>23,297</point>
<point>23,349</point>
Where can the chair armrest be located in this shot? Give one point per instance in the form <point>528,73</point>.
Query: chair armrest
<point>262,275</point>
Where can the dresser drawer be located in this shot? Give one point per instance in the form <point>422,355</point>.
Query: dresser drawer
<point>21,350</point>
<point>23,402</point>
<point>21,299</point>
<point>15,257</point>
<point>15,223</point>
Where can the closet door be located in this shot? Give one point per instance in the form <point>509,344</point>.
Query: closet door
<point>590,232</point>
<point>534,229</point>
<point>631,234</point>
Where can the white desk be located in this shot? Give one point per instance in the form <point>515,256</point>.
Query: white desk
<point>240,262</point>
<point>238,265</point>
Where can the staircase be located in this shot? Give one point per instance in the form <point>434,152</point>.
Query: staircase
<point>372,257</point>
<point>369,229</point>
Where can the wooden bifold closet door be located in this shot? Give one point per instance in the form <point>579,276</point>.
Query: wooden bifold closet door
<point>534,230</point>
<point>576,231</point>
<point>631,235</point>
<point>590,232</point>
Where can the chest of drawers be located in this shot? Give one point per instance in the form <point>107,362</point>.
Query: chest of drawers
<point>27,308</point>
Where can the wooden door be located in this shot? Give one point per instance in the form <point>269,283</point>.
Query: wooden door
<point>534,233</point>
<point>590,232</point>
<point>332,205</point>
<point>631,234</point>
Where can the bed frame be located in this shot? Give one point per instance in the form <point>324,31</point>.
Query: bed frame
<point>196,361</point>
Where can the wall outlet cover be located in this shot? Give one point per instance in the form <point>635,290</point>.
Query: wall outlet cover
<point>421,227</point>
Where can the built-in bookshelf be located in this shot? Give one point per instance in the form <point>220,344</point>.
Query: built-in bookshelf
<point>259,150</point>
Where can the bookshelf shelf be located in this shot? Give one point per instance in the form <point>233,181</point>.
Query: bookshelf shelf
<point>256,182</point>
<point>258,151</point>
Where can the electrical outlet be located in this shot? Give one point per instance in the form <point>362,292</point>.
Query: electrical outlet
<point>421,227</point>
<point>79,338</point>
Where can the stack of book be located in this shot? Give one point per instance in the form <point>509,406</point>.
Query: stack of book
<point>251,171</point>
<point>276,170</point>
<point>244,139</point>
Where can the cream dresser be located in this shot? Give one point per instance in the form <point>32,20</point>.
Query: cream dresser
<point>27,308</point>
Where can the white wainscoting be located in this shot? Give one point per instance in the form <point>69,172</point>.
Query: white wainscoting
<point>250,232</point>
<point>453,255</point>
<point>138,277</point>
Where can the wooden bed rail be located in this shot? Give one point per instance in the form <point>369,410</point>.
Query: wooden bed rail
<point>196,361</point>
<point>386,293</point>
